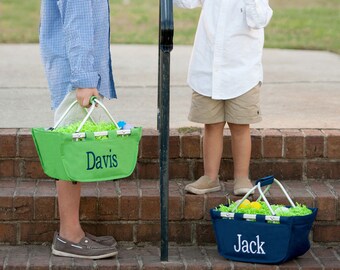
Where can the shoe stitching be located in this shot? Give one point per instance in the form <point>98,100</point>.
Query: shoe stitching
<point>61,240</point>
<point>76,246</point>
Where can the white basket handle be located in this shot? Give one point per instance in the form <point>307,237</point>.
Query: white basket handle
<point>265,181</point>
<point>93,102</point>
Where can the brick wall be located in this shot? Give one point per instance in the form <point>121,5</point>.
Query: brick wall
<point>306,161</point>
<point>289,154</point>
<point>130,210</point>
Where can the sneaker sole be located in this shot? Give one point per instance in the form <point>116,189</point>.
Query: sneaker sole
<point>66,254</point>
<point>202,191</point>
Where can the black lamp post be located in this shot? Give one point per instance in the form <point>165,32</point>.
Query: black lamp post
<point>166,32</point>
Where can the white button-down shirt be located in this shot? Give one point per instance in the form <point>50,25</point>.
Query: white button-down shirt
<point>226,60</point>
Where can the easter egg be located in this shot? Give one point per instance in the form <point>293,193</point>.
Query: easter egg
<point>255,205</point>
<point>245,204</point>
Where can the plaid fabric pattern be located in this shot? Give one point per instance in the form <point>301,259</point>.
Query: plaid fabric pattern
<point>75,46</point>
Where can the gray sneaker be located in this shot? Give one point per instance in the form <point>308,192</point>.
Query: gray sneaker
<point>86,248</point>
<point>106,240</point>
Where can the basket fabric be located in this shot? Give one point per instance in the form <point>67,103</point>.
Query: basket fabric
<point>259,241</point>
<point>87,160</point>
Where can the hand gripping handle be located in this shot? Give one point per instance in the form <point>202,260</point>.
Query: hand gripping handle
<point>93,101</point>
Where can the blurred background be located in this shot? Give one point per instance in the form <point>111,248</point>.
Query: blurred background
<point>301,64</point>
<point>296,24</point>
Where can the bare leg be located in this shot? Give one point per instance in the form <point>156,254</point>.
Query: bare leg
<point>241,148</point>
<point>213,149</point>
<point>69,203</point>
<point>212,153</point>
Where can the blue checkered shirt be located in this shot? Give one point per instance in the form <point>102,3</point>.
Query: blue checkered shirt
<point>75,46</point>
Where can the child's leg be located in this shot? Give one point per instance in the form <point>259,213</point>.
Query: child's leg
<point>68,204</point>
<point>212,153</point>
<point>72,241</point>
<point>211,113</point>
<point>212,149</point>
<point>240,113</point>
<point>241,148</point>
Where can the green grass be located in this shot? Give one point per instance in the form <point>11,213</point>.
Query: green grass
<point>19,21</point>
<point>296,24</point>
<point>310,24</point>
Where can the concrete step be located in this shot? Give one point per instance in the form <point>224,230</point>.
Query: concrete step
<point>148,257</point>
<point>130,210</point>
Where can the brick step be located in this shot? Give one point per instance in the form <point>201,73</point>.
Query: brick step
<point>148,257</point>
<point>294,154</point>
<point>130,210</point>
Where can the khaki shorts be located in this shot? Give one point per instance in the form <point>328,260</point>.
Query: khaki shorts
<point>244,109</point>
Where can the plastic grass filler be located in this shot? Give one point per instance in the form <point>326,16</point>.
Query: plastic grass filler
<point>91,155</point>
<point>257,238</point>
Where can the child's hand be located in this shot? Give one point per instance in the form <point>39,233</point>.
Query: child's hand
<point>84,94</point>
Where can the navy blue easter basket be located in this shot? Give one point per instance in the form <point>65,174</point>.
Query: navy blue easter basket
<point>261,238</point>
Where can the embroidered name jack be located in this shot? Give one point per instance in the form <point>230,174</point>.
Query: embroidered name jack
<point>253,247</point>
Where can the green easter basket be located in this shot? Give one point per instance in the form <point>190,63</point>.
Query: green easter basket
<point>82,157</point>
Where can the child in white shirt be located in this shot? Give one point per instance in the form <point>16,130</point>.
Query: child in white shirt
<point>226,74</point>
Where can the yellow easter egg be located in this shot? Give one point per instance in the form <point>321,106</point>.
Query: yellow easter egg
<point>245,204</point>
<point>255,205</point>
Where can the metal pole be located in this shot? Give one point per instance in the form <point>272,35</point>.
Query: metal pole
<point>164,153</point>
<point>165,47</point>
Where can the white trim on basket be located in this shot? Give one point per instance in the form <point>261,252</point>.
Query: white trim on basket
<point>80,135</point>
<point>249,216</point>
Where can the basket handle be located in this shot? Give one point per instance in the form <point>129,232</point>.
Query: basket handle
<point>93,102</point>
<point>265,181</point>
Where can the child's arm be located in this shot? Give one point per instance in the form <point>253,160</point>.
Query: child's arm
<point>188,3</point>
<point>258,13</point>
<point>78,30</point>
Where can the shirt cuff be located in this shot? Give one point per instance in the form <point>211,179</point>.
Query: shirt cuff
<point>85,80</point>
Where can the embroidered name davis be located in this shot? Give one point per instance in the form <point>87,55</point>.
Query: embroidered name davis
<point>101,162</point>
<point>253,247</point>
